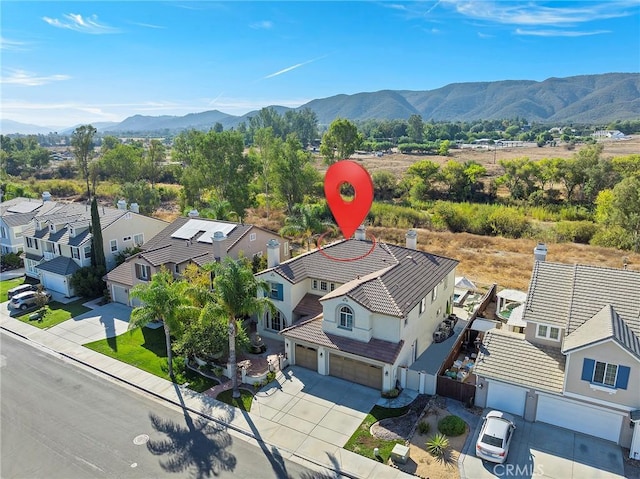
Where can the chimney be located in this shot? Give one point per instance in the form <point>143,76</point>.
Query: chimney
<point>219,245</point>
<point>193,214</point>
<point>122,204</point>
<point>540,252</point>
<point>273,253</point>
<point>411,239</point>
<point>361,234</point>
<point>46,196</point>
<point>134,207</point>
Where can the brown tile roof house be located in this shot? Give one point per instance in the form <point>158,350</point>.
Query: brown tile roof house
<point>578,357</point>
<point>188,240</point>
<point>369,315</point>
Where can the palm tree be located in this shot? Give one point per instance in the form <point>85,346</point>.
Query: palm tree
<point>305,222</point>
<point>163,299</point>
<point>236,296</point>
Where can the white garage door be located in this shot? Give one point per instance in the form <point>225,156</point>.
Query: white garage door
<point>507,398</point>
<point>578,417</point>
<point>120,295</point>
<point>55,283</point>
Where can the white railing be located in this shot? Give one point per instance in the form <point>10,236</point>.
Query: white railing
<point>49,255</point>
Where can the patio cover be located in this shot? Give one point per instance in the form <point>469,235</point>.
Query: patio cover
<point>483,325</point>
<point>515,319</point>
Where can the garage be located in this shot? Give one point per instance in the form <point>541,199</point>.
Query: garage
<point>306,357</point>
<point>119,294</point>
<point>507,398</point>
<point>55,283</point>
<point>355,371</point>
<point>572,415</point>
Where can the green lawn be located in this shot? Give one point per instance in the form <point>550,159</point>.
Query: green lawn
<point>55,313</point>
<point>244,402</point>
<point>362,442</point>
<point>7,285</point>
<point>145,349</point>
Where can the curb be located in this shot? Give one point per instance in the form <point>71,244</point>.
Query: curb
<point>182,406</point>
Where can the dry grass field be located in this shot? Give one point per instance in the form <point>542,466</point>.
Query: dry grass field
<point>397,163</point>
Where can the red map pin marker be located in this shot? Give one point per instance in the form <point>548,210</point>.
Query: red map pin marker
<point>348,214</point>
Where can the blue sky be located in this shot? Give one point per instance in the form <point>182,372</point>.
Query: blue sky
<point>65,63</point>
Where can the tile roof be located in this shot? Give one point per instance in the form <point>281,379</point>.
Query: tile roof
<point>14,212</point>
<point>311,332</point>
<point>567,296</point>
<point>508,357</point>
<point>390,280</point>
<point>308,307</point>
<point>121,274</point>
<point>163,248</point>
<point>59,265</point>
<point>606,324</point>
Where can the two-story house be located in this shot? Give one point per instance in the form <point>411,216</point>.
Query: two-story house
<point>189,240</point>
<point>15,215</point>
<point>577,365</point>
<point>357,309</point>
<point>58,242</point>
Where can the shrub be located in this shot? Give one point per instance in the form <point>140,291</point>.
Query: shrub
<point>437,445</point>
<point>575,231</point>
<point>423,427</point>
<point>392,216</point>
<point>509,223</point>
<point>452,425</point>
<point>12,260</point>
<point>87,281</point>
<point>613,237</point>
<point>393,393</point>
<point>270,376</point>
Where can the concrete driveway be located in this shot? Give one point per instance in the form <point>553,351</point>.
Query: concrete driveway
<point>103,322</point>
<point>546,451</point>
<point>312,413</point>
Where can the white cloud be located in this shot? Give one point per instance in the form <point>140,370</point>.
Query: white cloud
<point>7,44</point>
<point>559,33</point>
<point>148,25</point>
<point>263,25</point>
<point>75,21</point>
<point>24,78</point>
<point>529,13</point>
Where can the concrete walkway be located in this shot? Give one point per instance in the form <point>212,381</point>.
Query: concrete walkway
<point>312,447</point>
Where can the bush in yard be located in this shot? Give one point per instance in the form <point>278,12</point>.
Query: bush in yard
<point>452,425</point>
<point>437,445</point>
<point>12,260</point>
<point>423,427</point>
<point>87,281</point>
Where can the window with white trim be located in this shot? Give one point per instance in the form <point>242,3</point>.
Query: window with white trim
<point>545,331</point>
<point>138,239</point>
<point>346,317</point>
<point>3,232</point>
<point>423,305</point>
<point>252,237</point>
<point>434,293</point>
<point>126,238</point>
<point>32,243</point>
<point>75,253</point>
<point>605,373</point>
<point>143,271</point>
<point>314,284</point>
<point>87,251</point>
<point>332,286</point>
<point>323,285</point>
<point>113,244</point>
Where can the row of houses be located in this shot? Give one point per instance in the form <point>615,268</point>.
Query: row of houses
<point>383,315</point>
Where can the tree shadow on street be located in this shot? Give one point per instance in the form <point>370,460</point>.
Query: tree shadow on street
<point>201,446</point>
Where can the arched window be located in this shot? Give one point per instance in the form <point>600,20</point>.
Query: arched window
<point>346,317</point>
<point>276,321</point>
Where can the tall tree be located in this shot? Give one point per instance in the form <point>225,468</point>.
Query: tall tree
<point>97,244</point>
<point>237,297</point>
<point>163,299</point>
<point>269,150</point>
<point>415,128</point>
<point>342,139</point>
<point>82,143</point>
<point>293,173</point>
<point>153,161</point>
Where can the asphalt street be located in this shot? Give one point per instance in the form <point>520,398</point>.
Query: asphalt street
<point>61,421</point>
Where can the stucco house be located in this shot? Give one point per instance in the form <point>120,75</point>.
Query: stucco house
<point>189,240</point>
<point>15,215</point>
<point>57,242</point>
<point>357,309</point>
<point>577,365</point>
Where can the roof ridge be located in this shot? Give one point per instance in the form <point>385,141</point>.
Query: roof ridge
<point>572,297</point>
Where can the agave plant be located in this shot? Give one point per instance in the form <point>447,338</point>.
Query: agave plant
<point>438,445</point>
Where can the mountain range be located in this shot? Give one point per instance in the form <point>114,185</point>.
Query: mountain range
<point>584,99</point>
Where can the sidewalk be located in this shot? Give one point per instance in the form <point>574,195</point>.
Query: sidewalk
<point>241,425</point>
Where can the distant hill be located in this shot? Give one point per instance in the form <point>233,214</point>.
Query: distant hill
<point>8,127</point>
<point>585,99</point>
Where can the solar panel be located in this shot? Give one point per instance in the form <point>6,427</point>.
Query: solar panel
<point>192,227</point>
